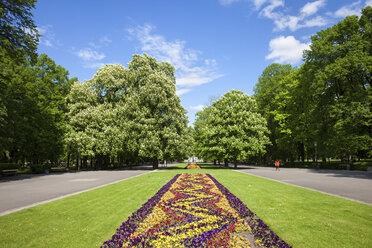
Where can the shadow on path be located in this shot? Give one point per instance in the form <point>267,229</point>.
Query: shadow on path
<point>344,173</point>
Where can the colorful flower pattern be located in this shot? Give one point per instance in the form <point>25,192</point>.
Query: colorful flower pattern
<point>192,166</point>
<point>193,210</point>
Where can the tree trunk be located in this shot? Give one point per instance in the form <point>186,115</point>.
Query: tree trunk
<point>68,159</point>
<point>214,162</point>
<point>85,161</point>
<point>98,162</point>
<point>302,152</point>
<point>155,164</point>
<point>78,162</point>
<point>226,163</point>
<point>235,164</point>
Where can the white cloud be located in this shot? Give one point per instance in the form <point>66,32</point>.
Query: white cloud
<point>286,50</point>
<point>47,36</point>
<point>315,22</point>
<point>94,45</point>
<point>197,107</point>
<point>228,2</point>
<point>284,22</point>
<point>47,43</point>
<point>88,54</point>
<point>94,65</point>
<point>294,23</point>
<point>43,29</point>
<point>191,70</point>
<point>312,7</point>
<point>268,11</point>
<point>105,40</point>
<point>259,3</point>
<point>369,3</point>
<point>275,10</point>
<point>180,92</point>
<point>351,9</point>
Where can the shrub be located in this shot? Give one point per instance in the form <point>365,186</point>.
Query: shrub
<point>39,168</point>
<point>8,166</point>
<point>361,166</point>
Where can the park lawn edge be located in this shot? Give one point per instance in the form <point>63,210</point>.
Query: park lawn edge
<point>302,217</point>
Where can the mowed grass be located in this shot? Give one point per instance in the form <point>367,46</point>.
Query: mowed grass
<point>303,218</point>
<point>84,220</point>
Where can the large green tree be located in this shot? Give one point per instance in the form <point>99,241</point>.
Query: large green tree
<point>204,145</point>
<point>132,114</point>
<point>34,101</point>
<point>340,59</point>
<point>94,118</point>
<point>270,96</point>
<point>231,129</point>
<point>18,43</point>
<point>18,32</point>
<point>155,117</point>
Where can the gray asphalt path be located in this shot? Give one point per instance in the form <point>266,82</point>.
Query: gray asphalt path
<point>29,190</point>
<point>353,185</point>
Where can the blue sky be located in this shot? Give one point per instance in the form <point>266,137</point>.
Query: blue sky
<point>215,45</point>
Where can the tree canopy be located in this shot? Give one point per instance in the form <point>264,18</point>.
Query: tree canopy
<point>18,32</point>
<point>131,113</point>
<point>231,129</point>
<point>324,106</point>
<point>34,110</point>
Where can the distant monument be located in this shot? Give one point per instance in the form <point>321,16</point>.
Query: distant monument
<point>193,159</point>
<point>192,163</point>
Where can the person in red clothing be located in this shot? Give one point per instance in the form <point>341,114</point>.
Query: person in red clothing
<point>277,163</point>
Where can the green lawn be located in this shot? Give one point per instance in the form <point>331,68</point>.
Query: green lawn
<point>301,217</point>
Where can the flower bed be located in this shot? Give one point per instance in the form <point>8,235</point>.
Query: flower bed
<point>192,166</point>
<point>194,210</point>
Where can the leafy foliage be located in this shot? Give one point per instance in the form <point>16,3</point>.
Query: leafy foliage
<point>324,107</point>
<point>34,103</point>
<point>231,129</point>
<point>341,59</point>
<point>18,33</point>
<point>130,113</point>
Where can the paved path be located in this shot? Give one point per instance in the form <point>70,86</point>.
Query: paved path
<point>29,190</point>
<point>354,185</point>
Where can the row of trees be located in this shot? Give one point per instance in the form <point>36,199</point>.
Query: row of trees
<point>122,115</point>
<point>128,115</point>
<point>322,109</point>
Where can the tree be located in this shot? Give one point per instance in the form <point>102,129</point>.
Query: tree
<point>130,114</point>
<point>340,58</point>
<point>82,118</point>
<point>204,145</point>
<point>34,101</point>
<point>155,117</point>
<point>269,92</point>
<point>232,128</point>
<point>18,33</point>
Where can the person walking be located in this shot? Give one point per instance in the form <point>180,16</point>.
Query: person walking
<point>277,164</point>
